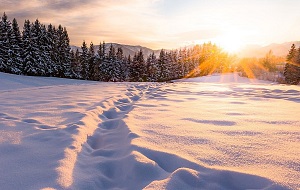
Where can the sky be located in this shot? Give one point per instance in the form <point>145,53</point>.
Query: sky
<point>165,24</point>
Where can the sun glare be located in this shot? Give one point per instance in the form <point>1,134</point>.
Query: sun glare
<point>231,42</point>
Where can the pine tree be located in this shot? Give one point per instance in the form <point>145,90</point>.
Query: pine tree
<point>151,67</point>
<point>14,61</point>
<point>38,62</point>
<point>45,50</point>
<point>103,50</point>
<point>292,67</point>
<point>121,64</point>
<point>161,66</point>
<point>66,54</point>
<point>84,61</point>
<point>76,65</point>
<point>28,55</point>
<point>112,67</point>
<point>62,52</point>
<point>137,68</point>
<point>5,51</point>
<point>97,63</point>
<point>91,62</point>
<point>128,62</point>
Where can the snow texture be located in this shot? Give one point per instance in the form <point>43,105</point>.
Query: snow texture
<point>223,132</point>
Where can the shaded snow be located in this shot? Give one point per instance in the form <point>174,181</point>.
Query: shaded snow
<point>70,134</point>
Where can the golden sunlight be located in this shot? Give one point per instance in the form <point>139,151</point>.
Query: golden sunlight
<point>231,41</point>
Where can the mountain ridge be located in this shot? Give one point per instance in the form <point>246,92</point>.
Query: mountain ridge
<point>251,50</point>
<point>127,49</point>
<point>278,49</point>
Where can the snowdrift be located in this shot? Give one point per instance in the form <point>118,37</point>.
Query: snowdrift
<point>70,134</point>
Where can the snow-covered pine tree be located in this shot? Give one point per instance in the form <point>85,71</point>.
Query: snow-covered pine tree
<point>28,54</point>
<point>180,65</point>
<point>16,49</point>
<point>97,63</point>
<point>121,65</point>
<point>76,65</point>
<point>104,65</point>
<point>112,68</point>
<point>292,67</point>
<point>39,61</point>
<point>137,67</point>
<point>168,66</point>
<point>103,50</point>
<point>45,50</point>
<point>174,69</point>
<point>67,71</point>
<point>51,38</point>
<point>63,52</point>
<point>128,62</point>
<point>84,61</point>
<point>151,67</point>
<point>5,51</point>
<point>161,66</point>
<point>91,62</point>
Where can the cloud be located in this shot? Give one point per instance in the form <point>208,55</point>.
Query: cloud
<point>160,23</point>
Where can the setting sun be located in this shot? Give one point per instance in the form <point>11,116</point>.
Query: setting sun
<point>231,41</point>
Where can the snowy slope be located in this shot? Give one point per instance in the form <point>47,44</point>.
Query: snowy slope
<point>70,134</point>
<point>223,78</point>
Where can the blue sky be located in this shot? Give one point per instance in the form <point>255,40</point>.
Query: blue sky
<point>166,23</point>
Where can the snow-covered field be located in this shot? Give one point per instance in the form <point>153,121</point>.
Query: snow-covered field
<point>215,132</point>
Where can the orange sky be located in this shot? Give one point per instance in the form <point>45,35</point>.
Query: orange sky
<point>166,23</point>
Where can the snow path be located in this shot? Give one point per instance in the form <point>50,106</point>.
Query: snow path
<point>109,160</point>
<point>108,152</point>
<point>69,134</point>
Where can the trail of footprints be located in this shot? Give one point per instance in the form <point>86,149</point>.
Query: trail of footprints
<point>109,149</point>
<point>109,161</point>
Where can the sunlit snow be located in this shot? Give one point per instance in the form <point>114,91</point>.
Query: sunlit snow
<point>214,132</point>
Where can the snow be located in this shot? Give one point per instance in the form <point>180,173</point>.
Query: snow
<point>222,132</point>
<point>224,78</point>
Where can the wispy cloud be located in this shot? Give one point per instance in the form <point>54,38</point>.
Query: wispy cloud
<point>162,23</point>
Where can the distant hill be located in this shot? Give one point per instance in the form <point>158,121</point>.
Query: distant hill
<point>127,49</point>
<point>248,51</point>
<point>260,51</point>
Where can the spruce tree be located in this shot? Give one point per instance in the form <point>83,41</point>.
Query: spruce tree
<point>137,68</point>
<point>97,63</point>
<point>91,62</point>
<point>151,67</point>
<point>45,50</point>
<point>292,67</point>
<point>111,67</point>
<point>5,51</point>
<point>16,49</point>
<point>28,54</point>
<point>51,36</point>
<point>60,51</point>
<point>66,61</point>
<point>84,61</point>
<point>161,66</point>
<point>121,65</point>
<point>38,61</point>
<point>76,65</point>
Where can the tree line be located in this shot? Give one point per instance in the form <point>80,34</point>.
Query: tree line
<point>41,50</point>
